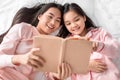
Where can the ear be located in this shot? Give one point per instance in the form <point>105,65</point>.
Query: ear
<point>84,18</point>
<point>39,17</point>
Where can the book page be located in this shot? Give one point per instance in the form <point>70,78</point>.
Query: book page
<point>77,54</point>
<point>50,48</point>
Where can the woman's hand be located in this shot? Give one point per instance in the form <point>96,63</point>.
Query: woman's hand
<point>32,58</point>
<point>64,71</point>
<point>97,66</point>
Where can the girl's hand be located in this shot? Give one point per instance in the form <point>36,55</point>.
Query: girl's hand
<point>64,71</point>
<point>31,58</point>
<point>97,66</point>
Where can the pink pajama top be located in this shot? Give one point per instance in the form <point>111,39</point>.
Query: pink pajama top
<point>108,49</point>
<point>17,41</point>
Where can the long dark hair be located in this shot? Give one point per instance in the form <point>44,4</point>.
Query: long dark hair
<point>73,6</point>
<point>30,15</point>
<point>26,14</point>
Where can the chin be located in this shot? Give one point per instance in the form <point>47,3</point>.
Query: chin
<point>76,33</point>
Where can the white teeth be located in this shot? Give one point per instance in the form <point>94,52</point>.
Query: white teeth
<point>50,27</point>
<point>75,29</point>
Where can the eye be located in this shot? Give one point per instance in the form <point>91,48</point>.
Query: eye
<point>68,23</point>
<point>58,20</point>
<point>50,17</point>
<point>77,19</point>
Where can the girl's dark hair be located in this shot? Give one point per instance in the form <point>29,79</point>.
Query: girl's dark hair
<point>30,15</point>
<point>73,6</point>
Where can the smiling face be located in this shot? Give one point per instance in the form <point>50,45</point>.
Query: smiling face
<point>49,21</point>
<point>75,23</point>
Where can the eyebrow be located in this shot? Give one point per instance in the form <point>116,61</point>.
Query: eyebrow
<point>73,18</point>
<point>76,17</point>
<point>54,15</point>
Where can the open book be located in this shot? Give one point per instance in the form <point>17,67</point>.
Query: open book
<point>55,50</point>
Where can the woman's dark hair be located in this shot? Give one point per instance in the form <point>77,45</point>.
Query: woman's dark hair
<point>73,6</point>
<point>30,15</point>
<point>26,14</point>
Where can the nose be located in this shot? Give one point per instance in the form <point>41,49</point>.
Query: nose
<point>52,22</point>
<point>74,25</point>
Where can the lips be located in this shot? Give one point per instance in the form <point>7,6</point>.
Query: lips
<point>76,28</point>
<point>50,27</point>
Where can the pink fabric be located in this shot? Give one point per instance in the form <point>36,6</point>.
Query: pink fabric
<point>107,50</point>
<point>17,41</point>
<point>5,62</point>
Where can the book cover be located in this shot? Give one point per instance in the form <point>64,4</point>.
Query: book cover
<point>55,50</point>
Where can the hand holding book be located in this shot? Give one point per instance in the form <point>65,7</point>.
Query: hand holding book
<point>56,50</point>
<point>64,71</point>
